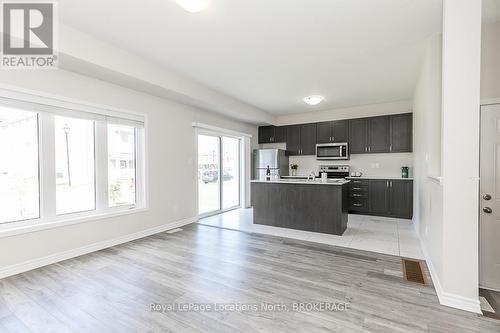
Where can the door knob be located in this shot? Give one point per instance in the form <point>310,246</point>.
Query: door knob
<point>487,197</point>
<point>487,210</point>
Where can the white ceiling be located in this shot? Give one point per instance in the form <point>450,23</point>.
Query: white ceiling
<point>272,53</point>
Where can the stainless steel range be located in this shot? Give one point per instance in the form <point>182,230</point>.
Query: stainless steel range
<point>334,171</point>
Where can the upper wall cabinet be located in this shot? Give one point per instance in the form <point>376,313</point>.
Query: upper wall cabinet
<point>381,134</point>
<point>401,139</point>
<point>332,131</point>
<point>358,131</point>
<point>271,134</point>
<point>308,139</point>
<point>378,135</point>
<point>301,139</point>
<point>293,140</point>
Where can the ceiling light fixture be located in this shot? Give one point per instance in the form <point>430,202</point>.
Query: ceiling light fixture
<point>314,99</point>
<point>194,6</point>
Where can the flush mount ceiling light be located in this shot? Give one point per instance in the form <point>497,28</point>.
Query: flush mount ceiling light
<point>194,6</point>
<point>314,99</point>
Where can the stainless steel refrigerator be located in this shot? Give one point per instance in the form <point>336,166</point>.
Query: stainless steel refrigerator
<point>276,159</point>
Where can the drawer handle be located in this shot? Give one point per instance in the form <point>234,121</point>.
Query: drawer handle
<point>356,188</point>
<point>357,205</point>
<point>356,195</point>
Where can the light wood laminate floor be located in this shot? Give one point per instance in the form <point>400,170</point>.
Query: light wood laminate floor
<point>112,290</point>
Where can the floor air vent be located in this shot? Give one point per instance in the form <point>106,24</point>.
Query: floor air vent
<point>412,271</point>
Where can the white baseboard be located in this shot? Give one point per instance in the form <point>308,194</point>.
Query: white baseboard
<point>53,258</point>
<point>449,299</point>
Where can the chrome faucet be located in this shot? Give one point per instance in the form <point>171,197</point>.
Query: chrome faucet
<point>311,176</point>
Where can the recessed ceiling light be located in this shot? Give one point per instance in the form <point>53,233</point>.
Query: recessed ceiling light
<point>194,6</point>
<point>314,99</point>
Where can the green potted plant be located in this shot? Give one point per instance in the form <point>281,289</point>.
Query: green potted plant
<point>294,168</point>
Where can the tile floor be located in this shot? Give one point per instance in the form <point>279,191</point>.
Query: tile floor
<point>369,233</point>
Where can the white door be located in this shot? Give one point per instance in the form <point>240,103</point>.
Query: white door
<point>489,228</point>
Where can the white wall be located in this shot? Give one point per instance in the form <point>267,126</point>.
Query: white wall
<point>172,169</point>
<point>377,165</point>
<point>460,133</point>
<point>490,61</point>
<point>428,196</point>
<point>447,215</point>
<point>360,111</point>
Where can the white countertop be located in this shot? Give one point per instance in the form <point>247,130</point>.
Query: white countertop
<point>380,177</point>
<point>317,181</point>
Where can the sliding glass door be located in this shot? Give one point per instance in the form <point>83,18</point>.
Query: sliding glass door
<point>218,173</point>
<point>208,173</point>
<point>230,172</point>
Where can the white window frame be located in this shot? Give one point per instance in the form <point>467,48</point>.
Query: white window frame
<point>47,107</point>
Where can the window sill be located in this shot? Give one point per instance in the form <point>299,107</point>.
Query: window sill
<point>14,229</point>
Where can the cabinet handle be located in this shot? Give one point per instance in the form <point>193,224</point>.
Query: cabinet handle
<point>391,183</point>
<point>370,149</point>
<point>356,195</point>
<point>390,147</point>
<point>357,205</point>
<point>356,188</point>
<point>333,138</point>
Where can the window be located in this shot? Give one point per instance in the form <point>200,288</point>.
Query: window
<point>57,162</point>
<point>19,189</point>
<point>121,181</point>
<point>75,181</point>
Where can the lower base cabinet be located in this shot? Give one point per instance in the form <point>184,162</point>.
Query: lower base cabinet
<point>381,197</point>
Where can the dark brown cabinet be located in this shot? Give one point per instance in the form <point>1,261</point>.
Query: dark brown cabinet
<point>293,140</point>
<point>378,135</point>
<point>358,196</point>
<point>381,197</point>
<point>332,131</point>
<point>401,139</point>
<point>401,198</point>
<point>271,134</point>
<point>358,130</point>
<point>381,134</point>
<point>340,131</point>
<point>301,139</point>
<point>324,132</point>
<point>308,139</point>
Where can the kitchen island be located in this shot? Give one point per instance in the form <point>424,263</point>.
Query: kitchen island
<point>310,205</point>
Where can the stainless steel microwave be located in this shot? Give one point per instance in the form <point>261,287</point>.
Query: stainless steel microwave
<point>332,151</point>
